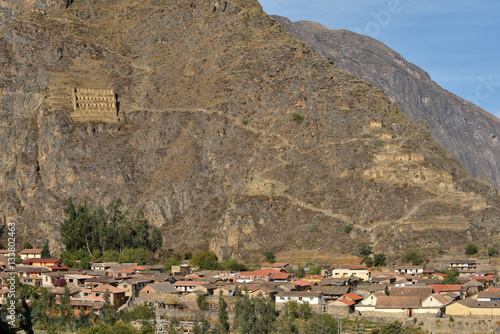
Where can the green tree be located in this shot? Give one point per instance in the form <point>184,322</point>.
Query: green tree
<point>414,256</point>
<point>5,327</point>
<point>27,245</point>
<point>305,310</point>
<point>234,266</point>
<point>379,260</point>
<point>365,250</point>
<point>205,261</point>
<point>492,251</point>
<point>321,324</point>
<point>300,272</point>
<point>369,262</point>
<point>471,249</point>
<point>285,324</point>
<point>141,235</point>
<point>141,311</point>
<point>451,277</point>
<point>171,261</point>
<point>314,270</point>
<point>45,251</point>
<point>270,256</point>
<point>222,315</point>
<point>109,313</point>
<point>65,308</point>
<point>25,321</point>
<point>201,302</point>
<point>393,328</point>
<point>156,240</point>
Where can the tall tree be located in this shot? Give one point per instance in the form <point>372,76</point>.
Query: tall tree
<point>46,251</point>
<point>223,316</point>
<point>25,321</point>
<point>109,312</point>
<point>156,240</point>
<point>141,239</point>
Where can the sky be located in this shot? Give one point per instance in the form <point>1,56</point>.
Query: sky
<point>456,41</point>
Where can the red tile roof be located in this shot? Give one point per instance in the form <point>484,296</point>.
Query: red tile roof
<point>280,276</point>
<point>301,283</point>
<point>446,287</point>
<point>353,296</point>
<point>347,301</point>
<point>126,270</point>
<point>486,277</point>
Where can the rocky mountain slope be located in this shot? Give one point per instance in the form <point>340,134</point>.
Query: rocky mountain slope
<point>205,140</point>
<point>468,132</point>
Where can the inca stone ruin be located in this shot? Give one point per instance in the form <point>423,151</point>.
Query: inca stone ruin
<point>91,104</point>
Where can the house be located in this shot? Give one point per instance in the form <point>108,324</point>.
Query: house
<point>188,286</point>
<point>463,265</point>
<point>53,279</point>
<point>42,262</point>
<point>74,293</point>
<point>453,291</point>
<point>30,275</point>
<point>116,295</point>
<point>4,292</point>
<point>181,270</point>
<point>160,292</point>
<point>30,254</point>
<point>208,288</point>
<point>313,298</point>
<point>352,296</point>
<point>347,271</point>
<point>409,270</point>
<point>133,286</point>
<point>388,306</point>
<point>314,278</point>
<point>76,280</point>
<point>340,308</point>
<point>473,287</point>
<point>280,266</point>
<point>472,307</point>
<point>331,292</point>
<point>383,279</point>
<point>280,277</point>
<point>487,279</point>
<point>489,295</point>
<point>434,304</point>
<point>249,276</point>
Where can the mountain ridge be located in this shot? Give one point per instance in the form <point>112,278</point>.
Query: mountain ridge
<point>448,116</point>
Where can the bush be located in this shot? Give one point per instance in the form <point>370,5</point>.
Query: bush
<point>233,265</point>
<point>297,117</point>
<point>471,249</point>
<point>492,251</point>
<point>379,260</point>
<point>414,256</point>
<point>321,324</point>
<point>205,261</point>
<point>365,250</point>
<point>270,256</point>
<point>347,229</point>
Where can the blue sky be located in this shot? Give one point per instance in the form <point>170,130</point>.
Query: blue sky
<point>456,41</point>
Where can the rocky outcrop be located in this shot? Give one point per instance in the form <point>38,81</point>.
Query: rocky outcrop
<point>465,130</point>
<point>206,142</point>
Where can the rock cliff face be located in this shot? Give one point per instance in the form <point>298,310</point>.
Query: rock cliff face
<point>465,130</point>
<point>205,140</point>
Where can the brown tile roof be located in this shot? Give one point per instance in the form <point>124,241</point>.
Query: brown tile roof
<point>331,290</point>
<point>110,288</point>
<point>30,261</point>
<point>446,287</point>
<point>489,294</point>
<point>30,251</point>
<point>397,302</point>
<point>190,283</point>
<point>440,298</point>
<point>411,291</point>
<point>299,294</point>
<point>472,303</point>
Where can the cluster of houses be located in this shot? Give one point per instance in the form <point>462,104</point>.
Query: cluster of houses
<point>407,291</point>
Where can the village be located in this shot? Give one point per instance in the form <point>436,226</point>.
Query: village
<point>343,291</point>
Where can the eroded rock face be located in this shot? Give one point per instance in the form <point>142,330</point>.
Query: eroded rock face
<point>465,130</point>
<point>205,140</point>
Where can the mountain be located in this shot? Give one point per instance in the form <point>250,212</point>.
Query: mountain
<point>468,132</point>
<point>229,133</point>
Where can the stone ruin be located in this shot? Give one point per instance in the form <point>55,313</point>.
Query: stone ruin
<point>91,104</point>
